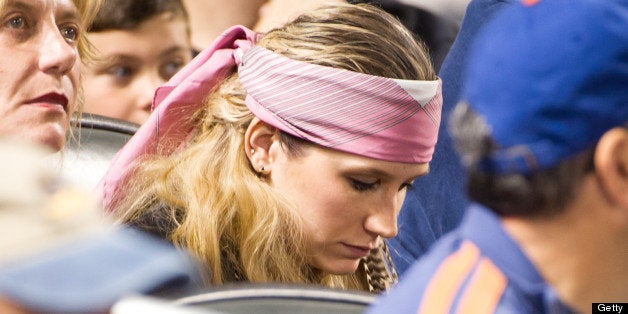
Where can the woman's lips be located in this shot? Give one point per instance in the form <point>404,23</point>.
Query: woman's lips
<point>51,100</point>
<point>357,251</point>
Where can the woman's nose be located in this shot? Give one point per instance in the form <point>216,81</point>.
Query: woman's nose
<point>57,56</point>
<point>382,220</point>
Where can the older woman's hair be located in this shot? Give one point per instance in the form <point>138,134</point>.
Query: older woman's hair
<point>88,9</point>
<point>209,199</point>
<point>543,193</point>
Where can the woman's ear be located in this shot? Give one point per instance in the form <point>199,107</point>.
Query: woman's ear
<point>258,140</point>
<point>611,165</point>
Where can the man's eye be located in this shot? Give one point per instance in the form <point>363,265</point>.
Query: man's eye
<point>362,186</point>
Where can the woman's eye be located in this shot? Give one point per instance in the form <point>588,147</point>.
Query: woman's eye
<point>362,186</point>
<point>16,22</point>
<point>70,33</point>
<point>406,186</point>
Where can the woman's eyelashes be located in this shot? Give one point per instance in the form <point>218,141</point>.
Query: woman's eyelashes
<point>16,22</point>
<point>362,186</point>
<point>407,186</point>
<point>18,26</point>
<point>21,23</point>
<point>70,32</point>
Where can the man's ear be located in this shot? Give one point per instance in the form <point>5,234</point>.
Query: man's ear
<point>611,165</point>
<point>258,140</point>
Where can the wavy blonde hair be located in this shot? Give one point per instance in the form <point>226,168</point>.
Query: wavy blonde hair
<point>208,199</point>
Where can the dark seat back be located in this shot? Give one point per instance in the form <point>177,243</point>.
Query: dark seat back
<point>275,298</point>
<point>86,158</point>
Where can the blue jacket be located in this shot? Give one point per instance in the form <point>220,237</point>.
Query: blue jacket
<point>437,202</point>
<point>477,268</point>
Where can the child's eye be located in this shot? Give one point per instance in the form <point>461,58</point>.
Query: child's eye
<point>120,72</point>
<point>169,69</point>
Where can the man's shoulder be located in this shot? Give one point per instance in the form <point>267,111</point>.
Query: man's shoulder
<point>455,275</point>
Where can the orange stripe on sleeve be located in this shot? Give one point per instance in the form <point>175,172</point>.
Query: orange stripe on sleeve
<point>529,3</point>
<point>484,290</point>
<point>448,278</point>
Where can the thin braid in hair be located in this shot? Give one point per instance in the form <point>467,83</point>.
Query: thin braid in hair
<point>379,269</point>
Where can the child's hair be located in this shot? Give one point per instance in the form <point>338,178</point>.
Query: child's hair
<point>128,15</point>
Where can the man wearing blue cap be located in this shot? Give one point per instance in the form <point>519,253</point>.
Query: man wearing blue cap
<point>543,133</point>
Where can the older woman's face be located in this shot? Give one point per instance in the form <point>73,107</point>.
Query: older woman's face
<point>346,201</point>
<point>39,69</point>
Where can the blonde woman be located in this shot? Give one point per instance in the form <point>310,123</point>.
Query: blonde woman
<point>285,157</point>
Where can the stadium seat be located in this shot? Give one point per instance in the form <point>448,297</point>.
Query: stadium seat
<point>87,155</point>
<point>247,298</point>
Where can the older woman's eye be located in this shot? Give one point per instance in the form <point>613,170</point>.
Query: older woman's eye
<point>362,186</point>
<point>70,33</point>
<point>16,22</point>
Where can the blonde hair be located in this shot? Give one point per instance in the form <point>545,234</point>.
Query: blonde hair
<point>208,198</point>
<point>88,10</point>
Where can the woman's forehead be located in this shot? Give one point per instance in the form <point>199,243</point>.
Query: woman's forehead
<point>352,162</point>
<point>66,7</point>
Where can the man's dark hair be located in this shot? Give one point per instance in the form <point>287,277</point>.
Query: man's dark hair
<point>541,193</point>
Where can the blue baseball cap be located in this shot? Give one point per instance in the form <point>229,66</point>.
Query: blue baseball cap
<point>550,77</point>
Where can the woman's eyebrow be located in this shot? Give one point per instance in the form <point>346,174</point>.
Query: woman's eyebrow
<point>368,171</point>
<point>16,4</point>
<point>69,13</point>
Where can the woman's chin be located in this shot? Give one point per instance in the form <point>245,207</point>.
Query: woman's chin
<point>340,268</point>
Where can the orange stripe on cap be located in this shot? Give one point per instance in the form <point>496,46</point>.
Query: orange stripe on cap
<point>446,282</point>
<point>484,290</point>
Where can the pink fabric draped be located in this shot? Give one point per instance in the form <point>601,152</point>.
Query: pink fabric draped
<point>169,123</point>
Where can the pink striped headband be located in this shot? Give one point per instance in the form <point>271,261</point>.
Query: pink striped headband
<point>381,118</point>
<point>372,116</point>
